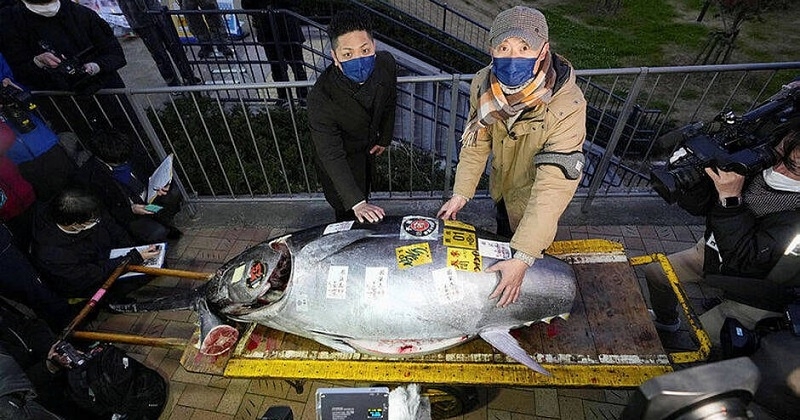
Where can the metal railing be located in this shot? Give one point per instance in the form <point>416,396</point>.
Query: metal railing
<point>230,146</point>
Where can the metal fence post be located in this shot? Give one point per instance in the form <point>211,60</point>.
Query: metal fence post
<point>150,132</point>
<point>451,135</point>
<point>619,126</point>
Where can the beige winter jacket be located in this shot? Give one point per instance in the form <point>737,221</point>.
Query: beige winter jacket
<point>535,197</point>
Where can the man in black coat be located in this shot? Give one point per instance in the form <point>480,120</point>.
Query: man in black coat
<point>38,37</point>
<point>72,239</point>
<point>351,115</point>
<point>162,42</point>
<point>282,38</point>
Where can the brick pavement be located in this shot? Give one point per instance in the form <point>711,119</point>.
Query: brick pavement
<point>201,396</point>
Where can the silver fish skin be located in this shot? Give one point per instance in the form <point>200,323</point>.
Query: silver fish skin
<point>346,290</point>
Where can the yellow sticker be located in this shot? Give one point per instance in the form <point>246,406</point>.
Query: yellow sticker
<point>413,255</point>
<point>459,225</point>
<point>460,239</point>
<point>464,259</point>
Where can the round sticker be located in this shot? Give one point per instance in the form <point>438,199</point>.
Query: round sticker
<point>419,227</point>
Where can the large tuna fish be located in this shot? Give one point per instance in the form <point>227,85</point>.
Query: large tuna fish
<point>403,287</point>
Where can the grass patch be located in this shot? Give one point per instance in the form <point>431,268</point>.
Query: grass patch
<point>635,36</point>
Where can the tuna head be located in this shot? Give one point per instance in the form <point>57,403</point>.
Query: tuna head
<point>254,280</point>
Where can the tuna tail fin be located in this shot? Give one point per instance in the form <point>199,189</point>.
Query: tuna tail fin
<point>503,341</point>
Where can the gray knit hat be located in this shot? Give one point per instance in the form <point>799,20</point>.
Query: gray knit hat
<point>522,22</point>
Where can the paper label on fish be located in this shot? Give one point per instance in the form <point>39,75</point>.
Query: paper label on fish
<point>447,289</point>
<point>338,227</point>
<point>419,228</point>
<point>336,286</point>
<point>376,285</point>
<point>458,225</point>
<point>464,259</point>
<point>460,239</point>
<point>413,255</point>
<point>494,249</point>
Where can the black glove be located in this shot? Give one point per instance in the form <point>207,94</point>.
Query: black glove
<point>135,256</point>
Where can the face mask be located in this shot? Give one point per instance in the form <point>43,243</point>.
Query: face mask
<point>122,173</point>
<point>513,71</point>
<point>780,181</point>
<point>359,69</point>
<point>76,230</point>
<point>46,10</point>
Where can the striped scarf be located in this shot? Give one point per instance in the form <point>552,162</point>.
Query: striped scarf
<point>494,105</point>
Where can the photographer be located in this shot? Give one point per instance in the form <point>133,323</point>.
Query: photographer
<point>750,222</point>
<point>60,45</point>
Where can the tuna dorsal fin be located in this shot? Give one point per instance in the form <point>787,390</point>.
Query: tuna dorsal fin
<point>328,245</point>
<point>503,341</point>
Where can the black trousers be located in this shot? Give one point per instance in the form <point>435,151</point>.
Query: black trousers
<point>282,56</point>
<point>162,47</point>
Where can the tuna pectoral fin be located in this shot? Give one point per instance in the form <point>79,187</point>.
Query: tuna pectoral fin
<point>216,337</point>
<point>503,341</point>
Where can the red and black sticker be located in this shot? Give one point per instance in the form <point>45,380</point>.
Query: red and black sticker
<point>417,227</point>
<point>256,274</point>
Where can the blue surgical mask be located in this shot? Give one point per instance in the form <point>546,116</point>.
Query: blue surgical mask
<point>359,69</point>
<point>513,71</point>
<point>122,173</point>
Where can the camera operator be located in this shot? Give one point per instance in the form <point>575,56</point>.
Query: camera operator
<point>45,42</point>
<point>750,222</point>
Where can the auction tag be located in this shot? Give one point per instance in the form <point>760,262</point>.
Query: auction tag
<point>494,249</point>
<point>336,286</point>
<point>447,288</point>
<point>376,284</point>
<point>460,239</point>
<point>458,225</point>
<point>338,227</point>
<point>464,259</point>
<point>413,255</point>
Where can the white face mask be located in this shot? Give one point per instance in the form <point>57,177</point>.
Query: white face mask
<point>77,229</point>
<point>46,10</point>
<point>780,181</point>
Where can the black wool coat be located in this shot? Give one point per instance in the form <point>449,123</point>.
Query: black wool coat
<point>73,30</point>
<point>346,121</point>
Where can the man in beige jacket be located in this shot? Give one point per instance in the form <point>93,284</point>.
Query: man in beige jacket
<point>528,113</point>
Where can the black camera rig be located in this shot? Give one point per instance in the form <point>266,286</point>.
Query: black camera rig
<point>744,145</point>
<point>15,107</point>
<point>70,68</point>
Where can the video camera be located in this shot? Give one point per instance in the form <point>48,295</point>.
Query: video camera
<point>73,357</point>
<point>744,145</point>
<point>71,68</point>
<point>15,107</point>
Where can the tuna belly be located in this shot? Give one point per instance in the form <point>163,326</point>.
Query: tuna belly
<point>406,347</point>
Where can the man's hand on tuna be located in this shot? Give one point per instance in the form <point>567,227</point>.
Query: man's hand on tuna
<point>511,274</point>
<point>451,207</point>
<point>368,212</point>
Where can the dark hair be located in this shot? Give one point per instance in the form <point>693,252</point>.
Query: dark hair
<point>347,21</point>
<point>791,142</point>
<point>74,205</point>
<point>111,146</point>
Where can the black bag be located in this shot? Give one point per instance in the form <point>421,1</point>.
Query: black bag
<point>111,382</point>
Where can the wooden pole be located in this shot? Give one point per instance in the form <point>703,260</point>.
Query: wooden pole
<point>196,275</point>
<point>167,342</point>
<point>123,265</point>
